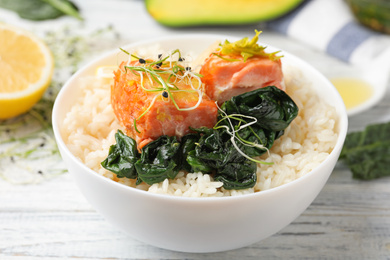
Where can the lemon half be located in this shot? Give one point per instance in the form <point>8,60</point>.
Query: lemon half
<point>26,68</point>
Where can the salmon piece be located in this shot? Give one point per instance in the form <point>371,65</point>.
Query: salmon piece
<point>155,114</point>
<point>224,79</point>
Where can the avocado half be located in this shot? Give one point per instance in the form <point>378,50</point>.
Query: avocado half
<point>181,13</point>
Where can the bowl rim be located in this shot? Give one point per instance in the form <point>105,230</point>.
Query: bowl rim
<point>343,124</point>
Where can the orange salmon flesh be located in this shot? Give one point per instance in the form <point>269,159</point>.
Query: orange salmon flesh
<point>130,100</point>
<point>224,79</point>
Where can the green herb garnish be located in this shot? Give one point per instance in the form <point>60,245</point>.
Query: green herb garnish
<point>367,153</point>
<point>245,48</point>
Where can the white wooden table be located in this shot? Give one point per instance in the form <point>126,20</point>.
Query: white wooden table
<point>350,219</point>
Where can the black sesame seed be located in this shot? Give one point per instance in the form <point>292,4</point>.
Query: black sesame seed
<point>165,94</point>
<point>12,159</point>
<point>42,145</point>
<point>40,172</point>
<point>188,68</point>
<point>181,59</point>
<point>158,65</point>
<point>159,56</point>
<point>142,61</point>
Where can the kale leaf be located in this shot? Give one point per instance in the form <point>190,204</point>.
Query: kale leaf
<point>367,153</point>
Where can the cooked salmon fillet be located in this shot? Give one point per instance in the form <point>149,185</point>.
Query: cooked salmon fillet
<point>224,79</point>
<point>149,115</point>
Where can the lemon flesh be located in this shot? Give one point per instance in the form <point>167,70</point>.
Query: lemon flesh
<point>26,67</point>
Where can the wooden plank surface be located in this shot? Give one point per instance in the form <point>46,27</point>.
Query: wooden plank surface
<point>350,219</point>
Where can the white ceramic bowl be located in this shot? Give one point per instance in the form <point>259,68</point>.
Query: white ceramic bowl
<point>198,224</point>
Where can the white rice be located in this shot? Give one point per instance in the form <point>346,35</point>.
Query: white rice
<point>90,127</point>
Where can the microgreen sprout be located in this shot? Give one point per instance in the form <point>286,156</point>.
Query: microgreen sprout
<point>164,76</point>
<point>244,122</point>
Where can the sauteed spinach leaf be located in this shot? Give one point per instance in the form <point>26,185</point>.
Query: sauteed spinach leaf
<point>160,159</point>
<point>272,107</point>
<point>215,154</point>
<point>247,127</point>
<point>122,157</point>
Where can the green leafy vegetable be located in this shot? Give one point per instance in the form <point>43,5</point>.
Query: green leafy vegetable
<point>248,126</point>
<point>367,153</point>
<point>122,157</point>
<point>160,160</point>
<point>215,154</point>
<point>188,144</point>
<point>41,9</point>
<point>228,149</point>
<point>238,175</point>
<point>273,109</point>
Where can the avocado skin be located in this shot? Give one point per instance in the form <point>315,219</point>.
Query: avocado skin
<point>374,14</point>
<point>186,13</point>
